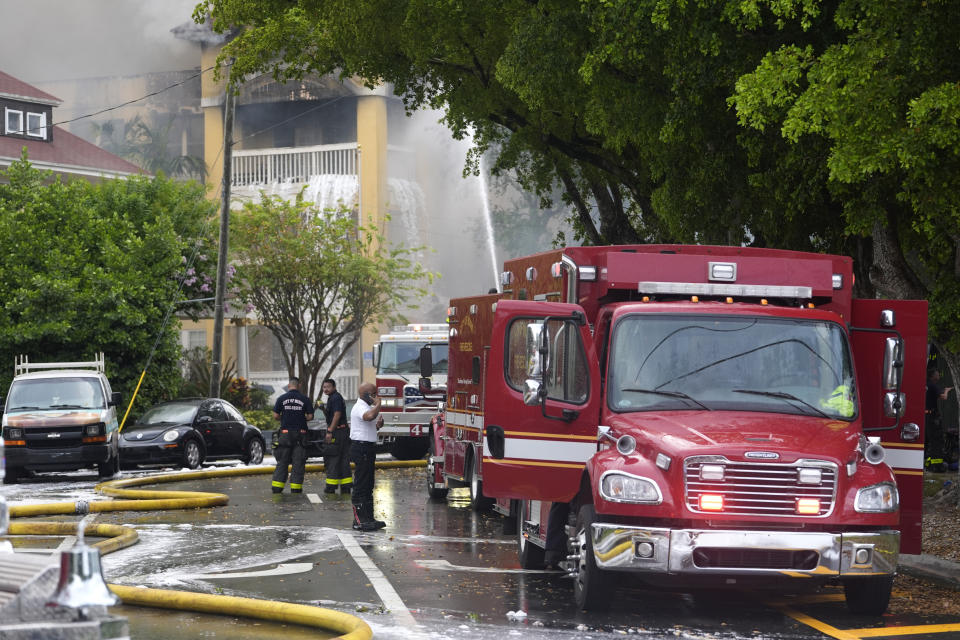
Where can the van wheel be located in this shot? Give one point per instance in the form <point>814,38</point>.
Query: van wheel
<point>869,595</point>
<point>192,456</point>
<point>591,589</point>
<point>11,476</point>
<point>109,468</point>
<point>529,554</point>
<point>478,502</point>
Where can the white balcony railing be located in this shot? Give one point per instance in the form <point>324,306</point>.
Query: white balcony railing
<point>292,164</point>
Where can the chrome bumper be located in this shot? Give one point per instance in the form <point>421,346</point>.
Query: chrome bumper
<point>680,551</point>
<point>407,418</point>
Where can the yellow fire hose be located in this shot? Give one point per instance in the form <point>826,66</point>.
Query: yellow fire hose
<point>118,537</point>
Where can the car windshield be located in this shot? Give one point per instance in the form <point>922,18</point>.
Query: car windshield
<point>168,413</point>
<point>404,357</point>
<point>55,393</point>
<point>660,362</point>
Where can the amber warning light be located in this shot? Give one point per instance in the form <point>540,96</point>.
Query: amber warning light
<point>808,506</point>
<point>711,502</point>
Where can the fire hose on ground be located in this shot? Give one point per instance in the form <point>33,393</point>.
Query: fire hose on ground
<point>119,537</point>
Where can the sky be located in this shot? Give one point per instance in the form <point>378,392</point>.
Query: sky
<point>45,40</point>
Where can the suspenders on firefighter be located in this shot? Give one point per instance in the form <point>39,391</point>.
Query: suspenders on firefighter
<point>292,409</point>
<point>336,448</point>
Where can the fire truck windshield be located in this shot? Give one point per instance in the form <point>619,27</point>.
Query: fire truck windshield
<point>731,363</point>
<point>404,357</point>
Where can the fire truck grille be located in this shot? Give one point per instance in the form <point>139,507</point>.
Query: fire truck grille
<point>761,489</point>
<point>722,558</point>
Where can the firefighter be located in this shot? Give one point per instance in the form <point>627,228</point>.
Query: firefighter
<point>293,410</point>
<point>336,450</point>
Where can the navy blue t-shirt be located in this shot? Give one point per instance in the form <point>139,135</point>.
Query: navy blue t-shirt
<point>293,408</point>
<point>335,403</point>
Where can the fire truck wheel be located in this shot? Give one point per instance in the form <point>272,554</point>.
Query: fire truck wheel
<point>432,491</point>
<point>529,554</point>
<point>478,502</point>
<point>412,448</point>
<point>868,595</point>
<point>591,588</point>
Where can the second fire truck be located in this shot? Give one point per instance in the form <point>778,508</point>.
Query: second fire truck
<point>407,405</point>
<point>691,416</point>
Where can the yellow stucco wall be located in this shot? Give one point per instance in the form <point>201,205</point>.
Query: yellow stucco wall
<point>372,140</point>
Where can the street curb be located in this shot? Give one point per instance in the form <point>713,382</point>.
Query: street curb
<point>931,568</point>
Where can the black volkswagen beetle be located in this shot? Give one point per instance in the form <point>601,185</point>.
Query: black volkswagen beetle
<point>188,432</point>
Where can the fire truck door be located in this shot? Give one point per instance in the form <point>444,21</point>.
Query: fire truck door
<point>903,443</point>
<point>536,448</point>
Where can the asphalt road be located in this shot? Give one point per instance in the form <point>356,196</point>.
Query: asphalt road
<point>437,571</point>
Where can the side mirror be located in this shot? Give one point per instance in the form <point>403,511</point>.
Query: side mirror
<point>894,404</point>
<point>892,363</point>
<point>376,355</point>
<point>426,362</point>
<point>115,399</point>
<point>531,392</point>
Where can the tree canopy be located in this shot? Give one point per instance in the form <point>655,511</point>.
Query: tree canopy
<point>781,123</point>
<point>87,267</point>
<point>316,279</point>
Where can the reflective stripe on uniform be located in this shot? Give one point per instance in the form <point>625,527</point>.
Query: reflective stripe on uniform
<point>336,481</point>
<point>294,485</point>
<point>277,483</point>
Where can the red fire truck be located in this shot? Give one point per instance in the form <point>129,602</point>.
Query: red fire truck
<point>407,404</point>
<point>691,417</point>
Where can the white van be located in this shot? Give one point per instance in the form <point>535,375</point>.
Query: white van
<point>60,416</point>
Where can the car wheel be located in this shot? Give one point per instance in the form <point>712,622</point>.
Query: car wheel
<point>192,456</point>
<point>254,452</point>
<point>529,554</point>
<point>591,590</point>
<point>868,595</point>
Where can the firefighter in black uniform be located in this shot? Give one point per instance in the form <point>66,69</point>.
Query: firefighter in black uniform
<point>336,449</point>
<point>292,409</point>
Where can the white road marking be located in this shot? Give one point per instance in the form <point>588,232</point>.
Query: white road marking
<point>282,569</point>
<point>314,498</point>
<point>389,596</point>
<point>444,565</point>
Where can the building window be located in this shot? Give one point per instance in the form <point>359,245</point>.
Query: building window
<point>14,122</point>
<point>195,339</point>
<point>37,125</point>
<point>266,351</point>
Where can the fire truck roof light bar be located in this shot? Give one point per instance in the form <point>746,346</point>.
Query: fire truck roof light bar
<point>735,290</point>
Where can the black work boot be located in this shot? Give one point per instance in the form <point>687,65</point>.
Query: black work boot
<point>329,489</point>
<point>277,489</point>
<point>360,520</point>
<point>377,524</point>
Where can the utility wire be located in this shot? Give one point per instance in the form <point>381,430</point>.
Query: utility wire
<point>129,102</point>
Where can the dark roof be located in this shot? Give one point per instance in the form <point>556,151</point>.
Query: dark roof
<point>10,87</point>
<point>66,153</point>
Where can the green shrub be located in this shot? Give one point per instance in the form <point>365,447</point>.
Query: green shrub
<point>262,418</point>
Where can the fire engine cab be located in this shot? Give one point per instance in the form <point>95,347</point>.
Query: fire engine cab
<point>690,417</point>
<point>407,404</point>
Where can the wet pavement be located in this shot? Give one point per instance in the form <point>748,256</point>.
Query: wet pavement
<point>438,571</point>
